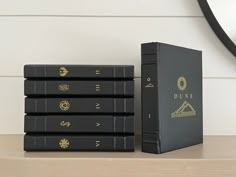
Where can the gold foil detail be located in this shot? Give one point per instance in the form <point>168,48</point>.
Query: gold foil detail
<point>185,110</point>
<point>64,143</point>
<point>63,87</point>
<point>64,105</point>
<point>181,83</point>
<point>63,71</point>
<point>65,124</point>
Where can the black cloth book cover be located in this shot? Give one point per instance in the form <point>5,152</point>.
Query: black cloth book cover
<point>79,124</point>
<point>79,71</point>
<point>80,105</point>
<point>79,88</point>
<point>171,97</point>
<point>78,143</point>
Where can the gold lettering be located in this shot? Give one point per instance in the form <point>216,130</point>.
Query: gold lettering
<point>183,96</point>
<point>186,96</point>
<point>175,96</point>
<point>191,96</point>
<point>98,106</point>
<point>98,72</point>
<point>98,87</point>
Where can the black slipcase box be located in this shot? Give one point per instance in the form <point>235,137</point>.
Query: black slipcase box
<point>171,97</point>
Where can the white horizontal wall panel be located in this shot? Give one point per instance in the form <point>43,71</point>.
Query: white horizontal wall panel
<point>219,106</point>
<point>101,7</point>
<point>12,105</point>
<point>103,40</point>
<point>218,103</point>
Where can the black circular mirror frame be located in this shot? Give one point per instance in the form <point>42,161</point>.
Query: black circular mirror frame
<point>215,25</point>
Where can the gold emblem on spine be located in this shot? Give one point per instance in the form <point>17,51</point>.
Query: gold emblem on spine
<point>64,105</point>
<point>65,124</point>
<point>63,71</point>
<point>64,143</point>
<point>63,87</point>
<point>181,83</point>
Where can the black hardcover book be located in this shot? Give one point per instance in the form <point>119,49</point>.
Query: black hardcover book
<point>79,124</point>
<point>80,88</point>
<point>80,105</point>
<point>79,71</point>
<point>171,97</point>
<point>78,143</point>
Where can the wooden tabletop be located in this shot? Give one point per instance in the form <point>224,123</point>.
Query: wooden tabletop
<point>216,157</point>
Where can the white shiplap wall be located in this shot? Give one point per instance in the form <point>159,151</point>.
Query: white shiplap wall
<point>109,32</point>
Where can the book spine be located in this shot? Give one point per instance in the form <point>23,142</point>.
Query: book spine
<point>92,88</point>
<point>78,71</point>
<point>78,143</point>
<point>150,117</point>
<point>78,124</point>
<point>80,105</point>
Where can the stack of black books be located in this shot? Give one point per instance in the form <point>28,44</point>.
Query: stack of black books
<point>79,108</point>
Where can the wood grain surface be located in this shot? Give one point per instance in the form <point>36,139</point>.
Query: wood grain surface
<point>215,158</point>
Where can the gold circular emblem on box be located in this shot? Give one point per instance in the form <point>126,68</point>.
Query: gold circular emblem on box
<point>63,71</point>
<point>181,83</point>
<point>64,105</point>
<point>64,143</point>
